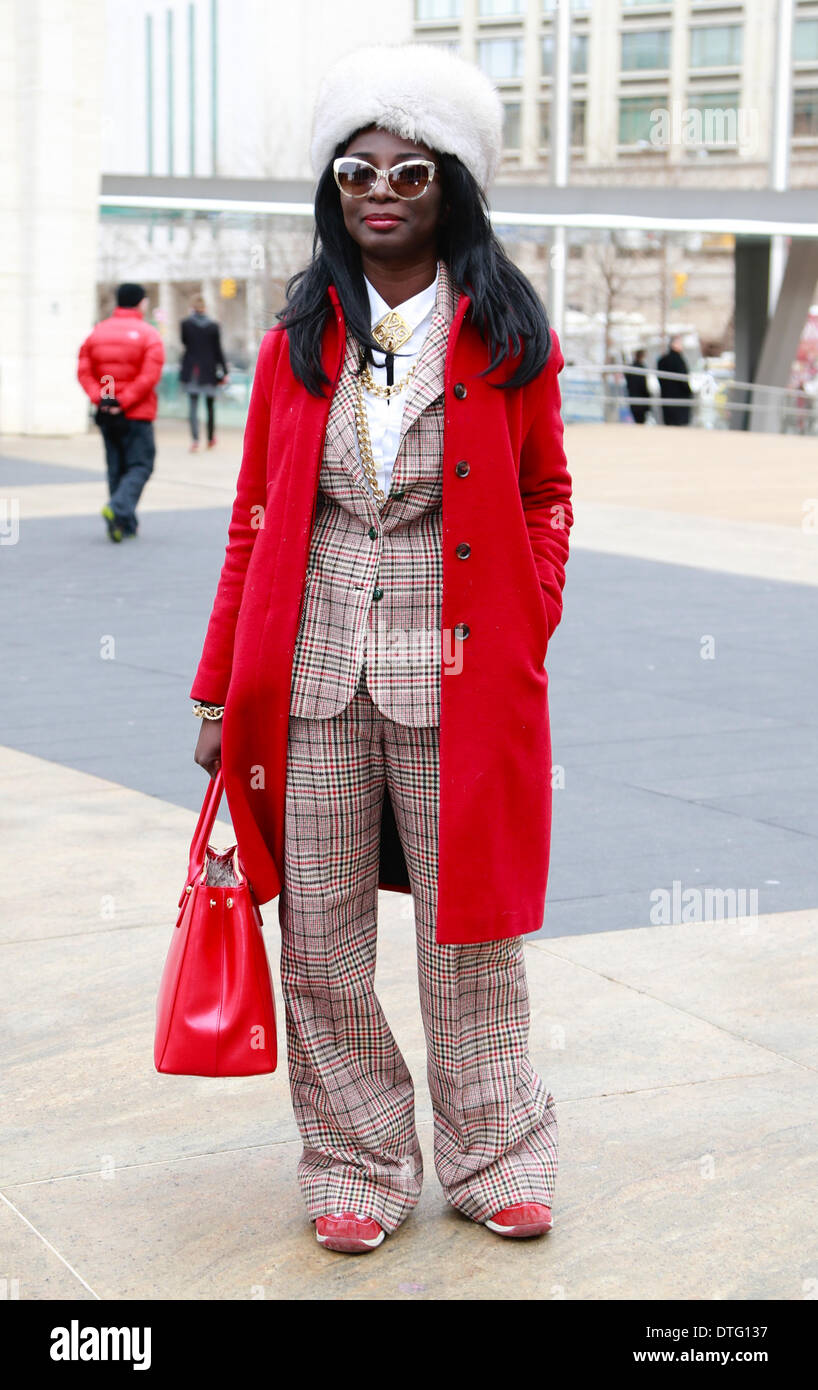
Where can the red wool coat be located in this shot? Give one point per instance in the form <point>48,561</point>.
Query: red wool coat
<point>512,505</point>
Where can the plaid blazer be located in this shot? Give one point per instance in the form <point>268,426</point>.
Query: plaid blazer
<point>373,589</point>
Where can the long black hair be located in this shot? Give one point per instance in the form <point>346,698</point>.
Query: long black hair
<point>504,306</point>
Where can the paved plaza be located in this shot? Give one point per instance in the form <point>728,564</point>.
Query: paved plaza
<point>673,982</point>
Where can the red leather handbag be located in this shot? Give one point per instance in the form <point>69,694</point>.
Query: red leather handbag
<point>215,1012</point>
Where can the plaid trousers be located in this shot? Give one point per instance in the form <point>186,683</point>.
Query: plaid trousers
<point>495,1126</point>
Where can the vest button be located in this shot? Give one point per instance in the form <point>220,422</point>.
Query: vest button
<point>373,535</point>
<point>461,468</point>
<point>377,594</point>
<point>460,390</point>
<point>461,630</point>
<point>463,550</point>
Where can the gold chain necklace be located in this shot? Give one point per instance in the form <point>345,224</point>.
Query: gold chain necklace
<point>365,441</point>
<point>387,392</point>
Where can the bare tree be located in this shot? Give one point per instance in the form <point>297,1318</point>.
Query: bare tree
<point>610,272</point>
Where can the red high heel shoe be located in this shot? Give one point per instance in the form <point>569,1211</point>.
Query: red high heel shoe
<point>354,1235</point>
<point>525,1219</point>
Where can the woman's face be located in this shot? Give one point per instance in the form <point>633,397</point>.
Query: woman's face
<point>415,230</point>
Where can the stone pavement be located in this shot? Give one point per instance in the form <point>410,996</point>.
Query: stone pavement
<point>682,1056</point>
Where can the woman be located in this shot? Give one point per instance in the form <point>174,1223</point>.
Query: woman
<point>421,494</point>
<point>204,370</point>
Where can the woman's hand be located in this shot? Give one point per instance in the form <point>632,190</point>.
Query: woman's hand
<point>208,752</point>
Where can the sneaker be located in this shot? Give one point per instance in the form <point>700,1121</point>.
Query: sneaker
<point>194,448</point>
<point>345,1231</point>
<point>114,528</point>
<point>211,443</point>
<point>525,1219</point>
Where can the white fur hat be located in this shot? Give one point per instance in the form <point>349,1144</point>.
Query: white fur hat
<point>422,92</point>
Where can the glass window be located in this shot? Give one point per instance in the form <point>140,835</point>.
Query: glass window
<point>805,114</point>
<point>579,54</point>
<point>805,41</point>
<point>717,46</point>
<point>578,6</point>
<point>438,9</point>
<point>646,48</point>
<point>501,58</point>
<point>577,123</point>
<point>545,122</point>
<point>635,123</point>
<point>511,125</point>
<point>452,45</point>
<point>718,118</point>
<point>500,7</point>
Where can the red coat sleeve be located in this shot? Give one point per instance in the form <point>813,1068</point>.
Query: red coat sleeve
<point>86,375</point>
<point>215,667</point>
<point>545,486</point>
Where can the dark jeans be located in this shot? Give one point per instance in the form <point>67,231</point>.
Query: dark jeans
<point>210,402</point>
<point>129,457</point>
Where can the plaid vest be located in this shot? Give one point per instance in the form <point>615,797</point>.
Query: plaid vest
<point>372,596</point>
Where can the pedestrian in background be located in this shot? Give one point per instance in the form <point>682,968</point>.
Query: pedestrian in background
<point>403,476</point>
<point>636,384</point>
<point>674,391</point>
<point>120,364</point>
<point>204,370</point>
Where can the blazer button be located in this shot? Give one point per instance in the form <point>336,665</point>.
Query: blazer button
<point>377,594</point>
<point>463,550</point>
<point>461,630</point>
<point>373,535</point>
<point>460,390</point>
<point>461,468</point>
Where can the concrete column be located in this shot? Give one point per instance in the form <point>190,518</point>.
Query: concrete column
<point>680,19</point>
<point>51,84</point>
<point>751,291</point>
<point>602,106</point>
<point>784,329</point>
<point>530,93</point>
<point>468,31</point>
<point>166,304</point>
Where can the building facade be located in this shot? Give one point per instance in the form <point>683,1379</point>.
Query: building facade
<point>673,91</point>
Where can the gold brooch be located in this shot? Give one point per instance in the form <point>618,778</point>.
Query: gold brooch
<point>392,331</point>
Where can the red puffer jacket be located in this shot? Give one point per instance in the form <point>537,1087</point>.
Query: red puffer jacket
<point>123,357</point>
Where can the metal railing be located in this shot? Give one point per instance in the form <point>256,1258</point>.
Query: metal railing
<point>593,393</point>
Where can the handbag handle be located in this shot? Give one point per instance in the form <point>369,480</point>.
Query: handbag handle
<point>204,825</point>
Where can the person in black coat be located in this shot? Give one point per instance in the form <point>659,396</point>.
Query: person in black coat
<point>636,385</point>
<point>204,370</point>
<point>674,391</point>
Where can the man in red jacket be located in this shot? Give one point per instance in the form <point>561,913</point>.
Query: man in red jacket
<point>120,363</point>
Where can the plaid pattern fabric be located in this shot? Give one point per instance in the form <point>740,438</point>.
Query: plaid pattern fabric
<point>495,1127</point>
<point>359,548</point>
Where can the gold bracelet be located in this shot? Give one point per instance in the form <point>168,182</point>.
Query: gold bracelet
<point>208,711</point>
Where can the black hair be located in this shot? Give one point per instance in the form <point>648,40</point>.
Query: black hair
<point>504,305</point>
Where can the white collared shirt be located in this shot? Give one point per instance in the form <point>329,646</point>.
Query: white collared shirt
<point>384,416</point>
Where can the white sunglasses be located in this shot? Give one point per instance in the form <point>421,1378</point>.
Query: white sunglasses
<point>409,179</point>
